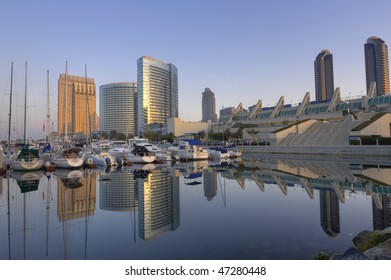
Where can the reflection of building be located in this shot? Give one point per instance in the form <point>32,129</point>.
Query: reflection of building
<point>118,193</point>
<point>76,105</point>
<point>329,212</point>
<point>381,213</point>
<point>158,196</point>
<point>157,93</point>
<point>74,203</point>
<point>210,184</point>
<point>116,107</point>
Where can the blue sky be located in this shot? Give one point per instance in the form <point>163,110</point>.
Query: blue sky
<point>242,50</point>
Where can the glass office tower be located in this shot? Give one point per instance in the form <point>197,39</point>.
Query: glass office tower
<point>157,93</point>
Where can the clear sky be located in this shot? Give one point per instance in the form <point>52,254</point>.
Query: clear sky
<point>242,50</point>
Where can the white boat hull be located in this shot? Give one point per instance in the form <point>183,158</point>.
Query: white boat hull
<point>140,159</point>
<point>68,162</point>
<point>104,160</point>
<point>22,165</point>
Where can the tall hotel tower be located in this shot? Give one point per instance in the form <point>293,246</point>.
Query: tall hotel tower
<point>208,106</point>
<point>324,75</point>
<point>157,92</point>
<point>376,65</point>
<point>79,94</point>
<point>116,107</point>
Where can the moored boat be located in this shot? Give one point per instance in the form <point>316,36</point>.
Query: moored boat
<point>192,149</point>
<point>72,157</point>
<point>140,154</point>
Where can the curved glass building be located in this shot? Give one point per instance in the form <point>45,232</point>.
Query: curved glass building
<point>116,107</point>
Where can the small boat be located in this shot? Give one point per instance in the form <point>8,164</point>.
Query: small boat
<point>102,146</point>
<point>142,142</point>
<point>72,157</point>
<point>191,149</point>
<point>100,159</point>
<point>140,154</point>
<point>217,152</point>
<point>118,149</point>
<point>28,158</point>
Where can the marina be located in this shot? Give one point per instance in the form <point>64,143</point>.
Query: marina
<point>274,208</point>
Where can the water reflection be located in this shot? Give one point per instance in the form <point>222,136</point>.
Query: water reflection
<point>71,214</point>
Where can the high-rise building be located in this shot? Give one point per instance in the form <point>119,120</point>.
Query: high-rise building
<point>80,103</point>
<point>324,76</point>
<point>157,93</point>
<point>376,65</point>
<point>208,106</point>
<point>116,107</point>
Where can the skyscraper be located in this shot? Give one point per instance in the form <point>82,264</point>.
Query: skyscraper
<point>116,107</point>
<point>208,106</point>
<point>157,92</point>
<point>324,75</point>
<point>376,65</point>
<point>80,93</point>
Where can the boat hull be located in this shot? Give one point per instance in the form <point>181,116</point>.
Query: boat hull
<point>22,165</point>
<point>68,162</point>
<point>140,159</point>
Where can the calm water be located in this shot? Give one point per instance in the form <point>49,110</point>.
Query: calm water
<point>260,209</point>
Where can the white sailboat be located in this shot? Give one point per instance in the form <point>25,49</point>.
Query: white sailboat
<point>99,157</point>
<point>68,157</point>
<point>8,155</point>
<point>28,158</point>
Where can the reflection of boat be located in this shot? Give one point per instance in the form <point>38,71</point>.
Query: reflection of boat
<point>27,181</point>
<point>193,178</point>
<point>140,154</point>
<point>70,178</point>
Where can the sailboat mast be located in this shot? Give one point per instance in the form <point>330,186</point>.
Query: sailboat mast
<point>48,113</point>
<point>66,101</point>
<point>25,104</point>
<point>9,114</point>
<point>87,113</point>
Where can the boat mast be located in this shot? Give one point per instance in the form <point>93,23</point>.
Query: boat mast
<point>9,114</point>
<point>48,113</point>
<point>25,104</point>
<point>87,113</point>
<point>66,101</point>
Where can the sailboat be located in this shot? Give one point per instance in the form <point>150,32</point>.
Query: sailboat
<point>8,156</point>
<point>99,158</point>
<point>28,159</point>
<point>68,157</point>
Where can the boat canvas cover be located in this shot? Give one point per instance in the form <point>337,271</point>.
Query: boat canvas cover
<point>194,142</point>
<point>28,154</point>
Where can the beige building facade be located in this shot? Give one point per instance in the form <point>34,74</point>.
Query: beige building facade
<point>179,127</point>
<point>79,102</point>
